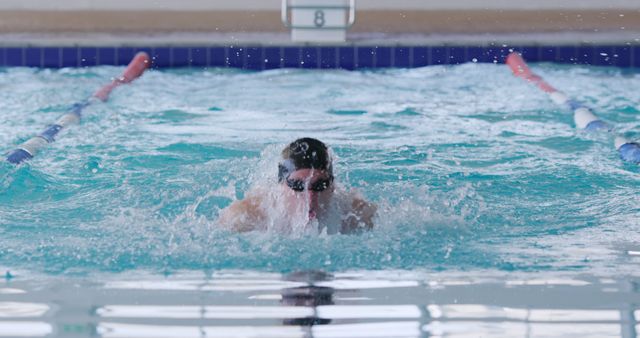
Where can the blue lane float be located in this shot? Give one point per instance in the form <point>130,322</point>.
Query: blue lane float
<point>30,148</point>
<point>583,117</point>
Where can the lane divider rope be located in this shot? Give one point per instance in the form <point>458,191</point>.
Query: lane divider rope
<point>583,116</point>
<point>30,148</point>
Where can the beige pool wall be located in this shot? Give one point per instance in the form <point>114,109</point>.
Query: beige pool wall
<point>116,19</point>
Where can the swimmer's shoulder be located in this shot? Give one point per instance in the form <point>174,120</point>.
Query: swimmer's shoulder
<point>359,213</point>
<point>243,215</point>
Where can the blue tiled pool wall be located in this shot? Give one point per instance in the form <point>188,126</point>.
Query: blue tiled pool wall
<point>347,57</point>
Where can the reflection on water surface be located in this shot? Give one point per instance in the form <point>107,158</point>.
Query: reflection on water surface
<point>319,304</point>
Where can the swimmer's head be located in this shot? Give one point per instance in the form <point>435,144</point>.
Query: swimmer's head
<point>305,167</point>
<point>304,153</point>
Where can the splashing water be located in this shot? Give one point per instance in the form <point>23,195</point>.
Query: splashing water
<point>471,169</point>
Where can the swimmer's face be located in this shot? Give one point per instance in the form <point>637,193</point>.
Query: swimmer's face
<point>311,186</point>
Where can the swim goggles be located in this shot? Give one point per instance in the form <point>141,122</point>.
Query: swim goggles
<point>317,186</point>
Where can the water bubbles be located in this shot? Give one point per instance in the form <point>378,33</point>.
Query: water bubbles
<point>94,165</point>
<point>448,252</point>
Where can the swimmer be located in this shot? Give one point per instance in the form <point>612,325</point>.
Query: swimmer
<point>305,197</point>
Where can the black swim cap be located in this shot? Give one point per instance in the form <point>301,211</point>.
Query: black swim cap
<point>304,153</point>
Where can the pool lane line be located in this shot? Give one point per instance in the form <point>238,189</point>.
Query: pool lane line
<point>30,148</point>
<point>583,117</point>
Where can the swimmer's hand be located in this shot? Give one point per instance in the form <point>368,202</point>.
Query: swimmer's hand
<point>242,216</point>
<point>360,218</point>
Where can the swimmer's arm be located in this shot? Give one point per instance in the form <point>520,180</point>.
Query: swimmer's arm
<point>242,215</point>
<point>361,216</point>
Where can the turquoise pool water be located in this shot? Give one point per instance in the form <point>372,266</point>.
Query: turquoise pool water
<point>475,172</point>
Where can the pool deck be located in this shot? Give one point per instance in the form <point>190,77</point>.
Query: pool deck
<point>250,34</point>
<point>135,39</point>
<point>231,23</point>
<point>382,22</point>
